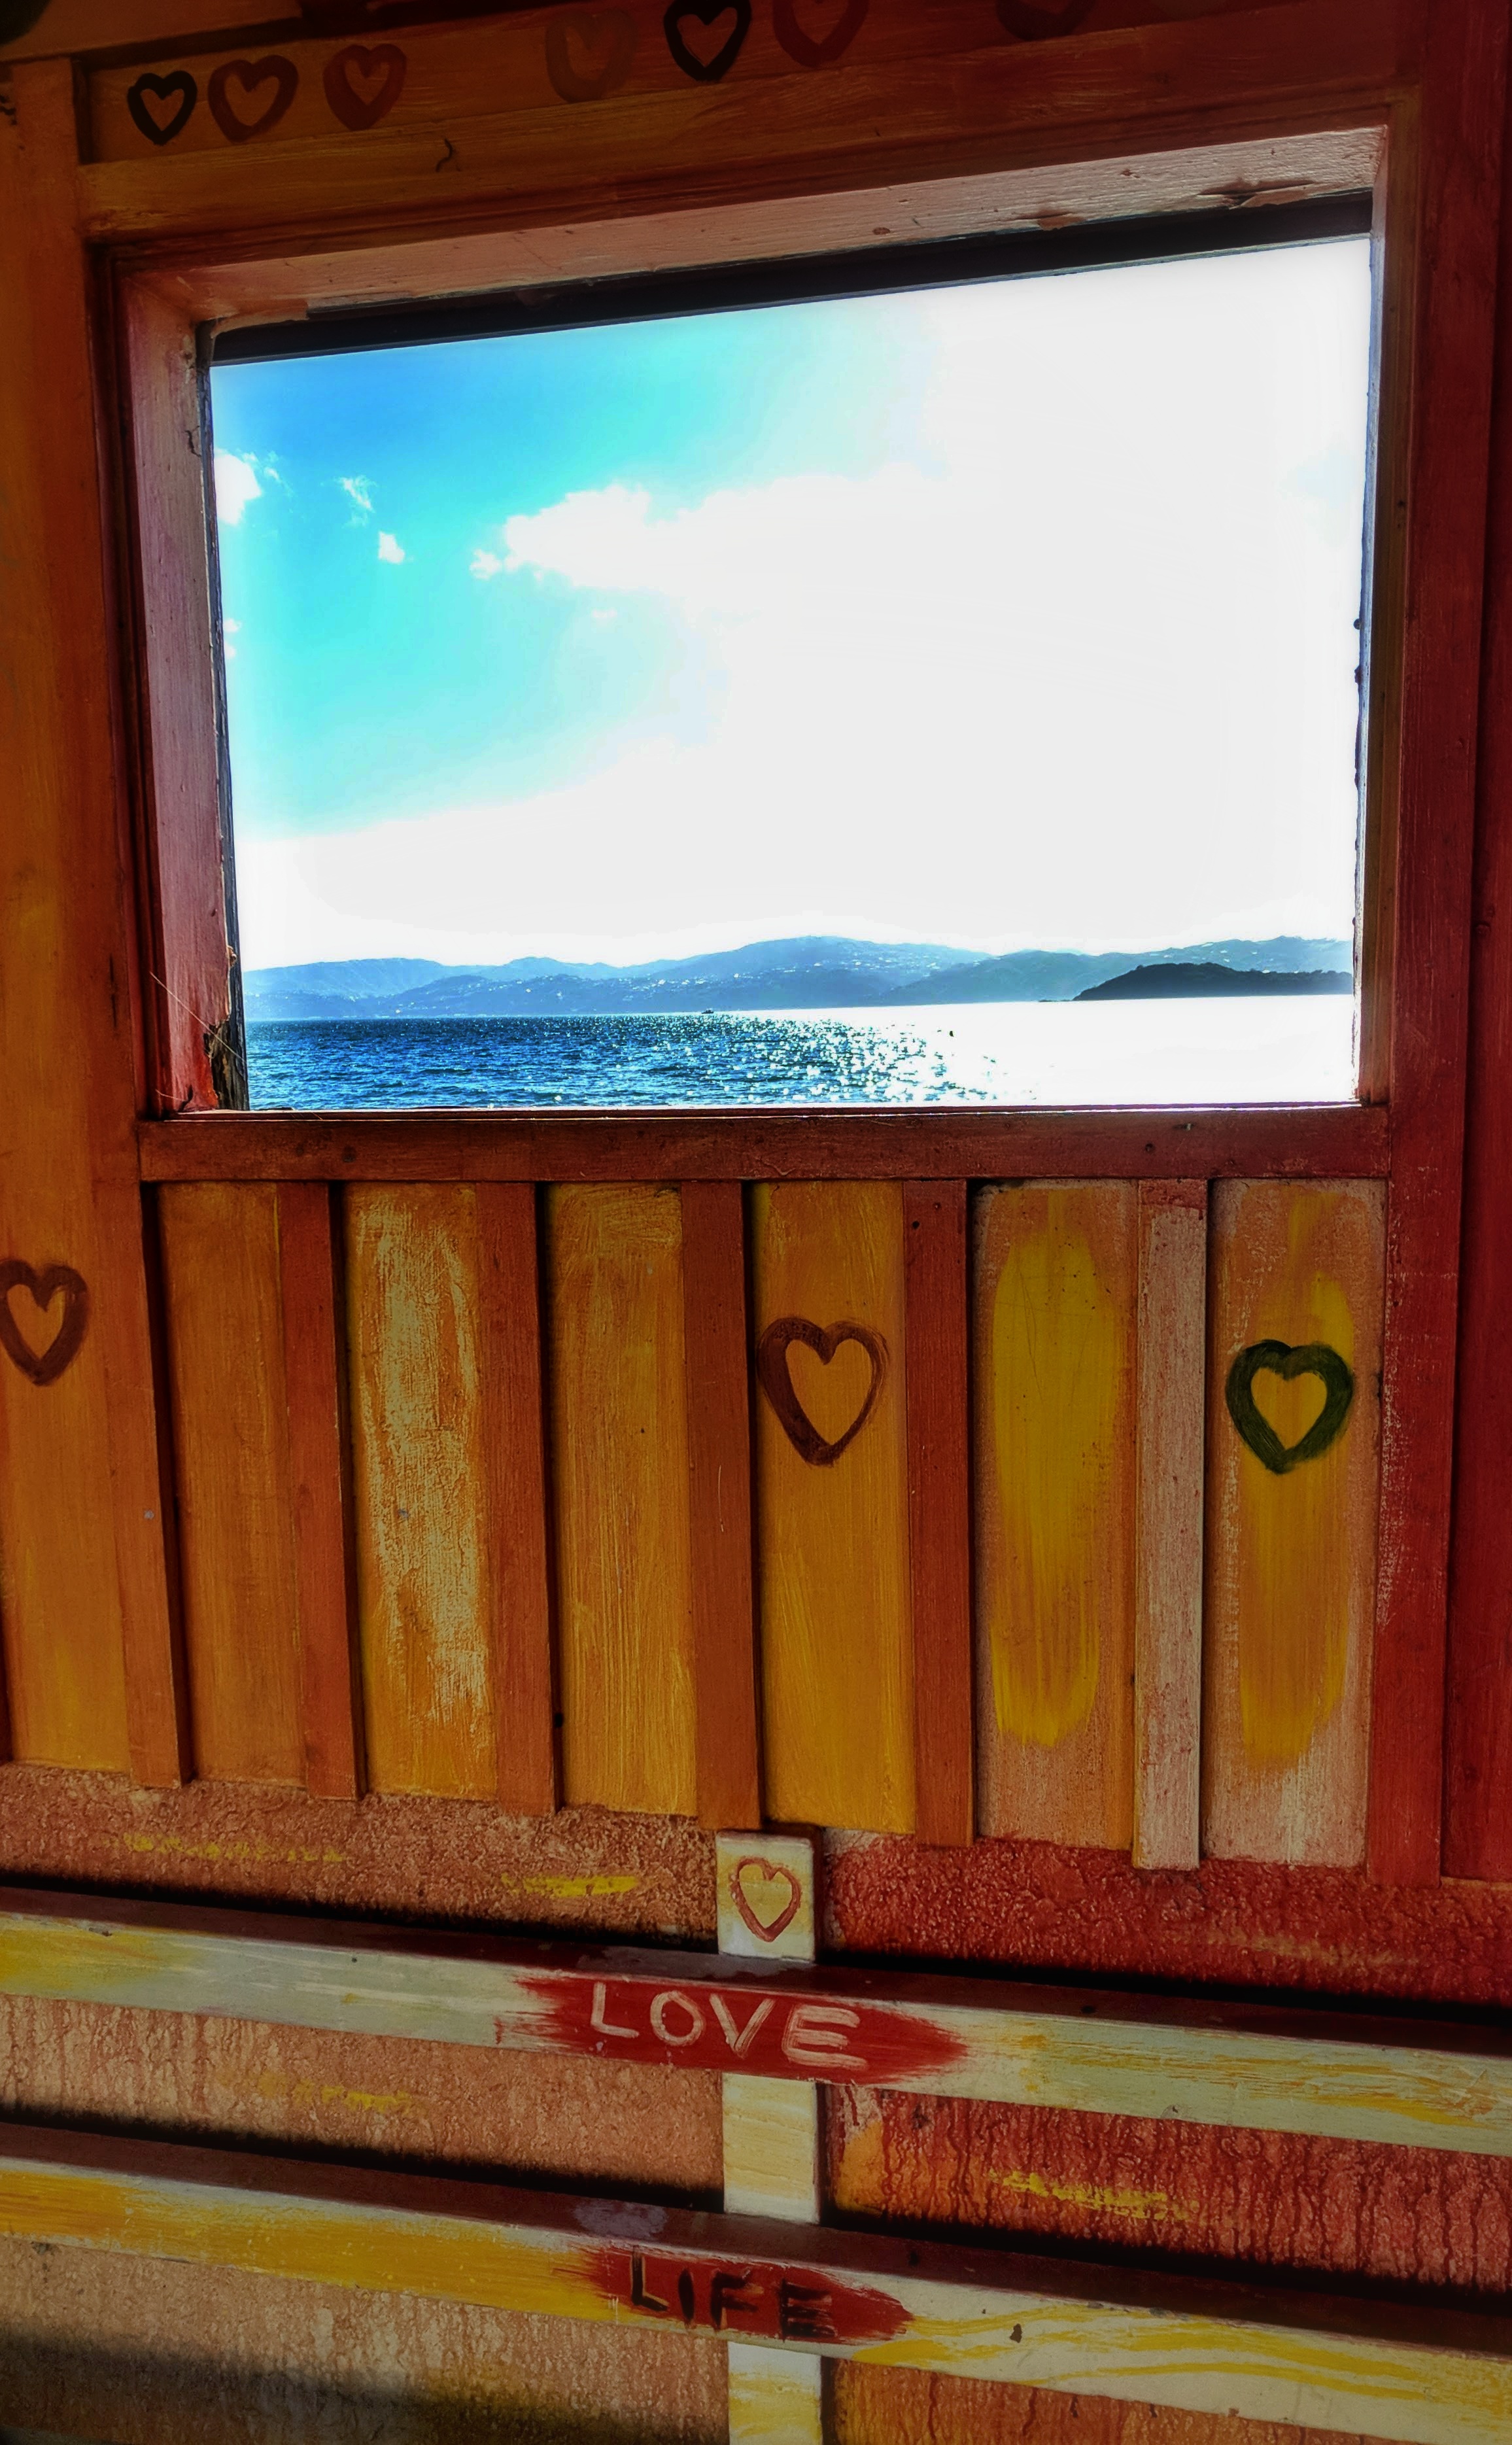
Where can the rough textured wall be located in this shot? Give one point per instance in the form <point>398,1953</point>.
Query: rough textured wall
<point>904,2407</point>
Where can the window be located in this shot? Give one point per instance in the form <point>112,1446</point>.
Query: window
<point>930,680</point>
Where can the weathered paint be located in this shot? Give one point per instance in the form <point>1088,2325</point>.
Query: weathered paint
<point>877,2406</point>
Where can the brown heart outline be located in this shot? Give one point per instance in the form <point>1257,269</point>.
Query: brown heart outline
<point>708,13</point>
<point>178,87</point>
<point>828,47</point>
<point>356,110</point>
<point>777,1382</point>
<point>248,74</point>
<point>771,1869</point>
<point>44,1367</point>
<point>1034,22</point>
<point>593,29</point>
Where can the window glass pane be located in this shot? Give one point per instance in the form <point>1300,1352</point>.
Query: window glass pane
<point>809,703</point>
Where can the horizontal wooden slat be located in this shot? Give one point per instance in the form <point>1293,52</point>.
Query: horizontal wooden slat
<point>1242,2066</point>
<point>1426,2376</point>
<point>1310,1140</point>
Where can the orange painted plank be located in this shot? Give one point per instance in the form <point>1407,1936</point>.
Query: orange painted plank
<point>939,1426</point>
<point>718,1391</point>
<point>519,1545</point>
<point>425,1634</point>
<point>1169,1542</point>
<point>230,1445</point>
<point>833,1504</point>
<point>309,1249</point>
<point>1055,1302</point>
<point>620,1468</point>
<point>1291,1543</point>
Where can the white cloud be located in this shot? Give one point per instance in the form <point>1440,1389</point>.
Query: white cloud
<point>235,485</point>
<point>360,491</point>
<point>230,628</point>
<point>485,564</point>
<point>390,548</point>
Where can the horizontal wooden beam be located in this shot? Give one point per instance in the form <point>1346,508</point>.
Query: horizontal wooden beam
<point>1328,1141</point>
<point>1250,2066</point>
<point>1428,2376</point>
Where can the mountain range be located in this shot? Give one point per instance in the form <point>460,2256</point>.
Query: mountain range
<point>809,972</point>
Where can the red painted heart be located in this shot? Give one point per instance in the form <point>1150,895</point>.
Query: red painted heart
<point>817,51</point>
<point>43,1366</point>
<point>1034,22</point>
<point>707,65</point>
<point>363,87</point>
<point>775,1377</point>
<point>177,89</point>
<point>249,75</point>
<point>763,1913</point>
<point>606,37</point>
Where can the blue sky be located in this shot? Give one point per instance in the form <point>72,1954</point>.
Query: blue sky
<point>999,615</point>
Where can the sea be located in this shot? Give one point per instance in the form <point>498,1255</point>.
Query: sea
<point>1281,1049</point>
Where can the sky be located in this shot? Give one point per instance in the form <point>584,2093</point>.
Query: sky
<point>1013,615</point>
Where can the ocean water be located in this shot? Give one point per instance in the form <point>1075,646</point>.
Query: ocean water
<point>1289,1049</point>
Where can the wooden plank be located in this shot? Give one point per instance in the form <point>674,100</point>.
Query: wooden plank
<point>1291,1543</point>
<point>1444,484</point>
<point>1168,1538</point>
<point>1240,2066</point>
<point>1478,1754</point>
<point>1055,1302</point>
<point>833,1504</point>
<point>311,1253</point>
<point>412,1281</point>
<point>939,1431</point>
<point>1023,100</point>
<point>236,1497</point>
<point>717,1354</point>
<point>620,1467</point>
<point>67,26</point>
<point>519,1542</point>
<point>1344,1141</point>
<point>1425,2375</point>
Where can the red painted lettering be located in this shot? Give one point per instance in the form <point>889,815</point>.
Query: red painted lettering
<point>663,2005</point>
<point>640,2297</point>
<point>734,2296</point>
<point>803,2313</point>
<point>815,2038</point>
<point>606,2028</point>
<point>739,2040</point>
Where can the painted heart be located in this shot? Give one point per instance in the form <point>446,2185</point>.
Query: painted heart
<point>1280,1358</point>
<point>767,1896</point>
<point>588,52</point>
<point>176,94</point>
<point>775,1377</point>
<point>43,1366</point>
<point>697,59</point>
<point>1035,23</point>
<point>363,87</point>
<point>817,51</point>
<point>250,75</point>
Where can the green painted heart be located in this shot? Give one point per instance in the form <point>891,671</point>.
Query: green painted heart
<point>1280,1358</point>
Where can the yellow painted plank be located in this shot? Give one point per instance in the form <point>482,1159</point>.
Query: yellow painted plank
<point>1054,1326</point>
<point>412,1289</point>
<point>620,1465</point>
<point>231,1456</point>
<point>1290,1548</point>
<point>833,1532</point>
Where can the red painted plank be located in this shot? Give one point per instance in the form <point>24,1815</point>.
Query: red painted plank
<point>934,1218</point>
<point>320,1477</point>
<point>1463,70</point>
<point>520,1543</point>
<point>718,1366</point>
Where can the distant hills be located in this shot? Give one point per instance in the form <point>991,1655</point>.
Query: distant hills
<point>809,972</point>
<point>1170,979</point>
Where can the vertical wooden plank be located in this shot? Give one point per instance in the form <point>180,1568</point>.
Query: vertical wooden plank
<point>412,1305</point>
<point>519,1545</point>
<point>833,1504</point>
<point>1054,1306</point>
<point>620,1468</point>
<point>939,1430</point>
<point>1292,1493</point>
<point>230,1443</point>
<point>1443,484</point>
<point>1478,1760</point>
<point>90,1635</point>
<point>324,1527</point>
<point>716,1351</point>
<point>1169,1540</point>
